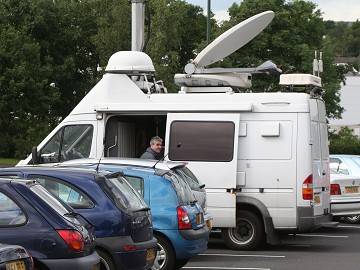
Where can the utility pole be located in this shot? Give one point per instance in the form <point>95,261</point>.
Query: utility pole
<point>208,21</point>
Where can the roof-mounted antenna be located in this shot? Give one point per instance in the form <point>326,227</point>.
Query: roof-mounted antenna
<point>98,164</point>
<point>315,64</point>
<point>165,156</point>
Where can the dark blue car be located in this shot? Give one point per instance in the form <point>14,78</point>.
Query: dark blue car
<point>121,218</point>
<point>54,236</point>
<point>178,219</point>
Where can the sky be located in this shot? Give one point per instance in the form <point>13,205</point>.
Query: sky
<point>336,10</point>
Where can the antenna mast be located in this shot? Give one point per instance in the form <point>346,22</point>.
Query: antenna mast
<point>137,24</point>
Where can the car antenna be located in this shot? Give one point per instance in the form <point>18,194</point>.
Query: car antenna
<point>163,158</point>
<point>98,164</point>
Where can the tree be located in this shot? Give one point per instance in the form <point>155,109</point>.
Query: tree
<point>290,41</point>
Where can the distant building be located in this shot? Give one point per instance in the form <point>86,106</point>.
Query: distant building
<point>350,101</point>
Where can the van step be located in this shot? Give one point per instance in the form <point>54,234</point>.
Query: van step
<point>330,224</point>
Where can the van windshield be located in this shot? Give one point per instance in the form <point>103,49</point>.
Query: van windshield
<point>123,194</point>
<point>182,188</point>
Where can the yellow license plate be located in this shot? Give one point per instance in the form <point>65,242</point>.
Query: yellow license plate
<point>317,199</point>
<point>150,254</point>
<point>199,219</point>
<point>352,189</point>
<point>209,224</point>
<point>16,265</point>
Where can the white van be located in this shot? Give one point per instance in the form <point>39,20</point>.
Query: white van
<point>262,156</point>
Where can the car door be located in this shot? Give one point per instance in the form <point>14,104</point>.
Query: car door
<point>23,220</point>
<point>209,144</point>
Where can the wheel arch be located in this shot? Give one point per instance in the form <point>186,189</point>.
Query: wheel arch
<point>256,206</point>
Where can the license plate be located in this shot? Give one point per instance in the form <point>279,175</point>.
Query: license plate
<point>317,199</point>
<point>352,189</point>
<point>17,265</point>
<point>209,224</point>
<point>150,254</point>
<point>199,219</point>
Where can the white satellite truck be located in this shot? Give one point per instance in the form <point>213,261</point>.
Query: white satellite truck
<point>262,156</point>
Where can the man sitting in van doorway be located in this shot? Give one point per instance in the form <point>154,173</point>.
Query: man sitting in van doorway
<point>155,149</point>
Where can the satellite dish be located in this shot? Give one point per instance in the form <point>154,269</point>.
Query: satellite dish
<point>231,40</point>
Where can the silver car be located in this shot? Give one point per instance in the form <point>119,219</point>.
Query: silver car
<point>345,187</point>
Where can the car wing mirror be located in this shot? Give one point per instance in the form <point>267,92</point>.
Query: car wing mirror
<point>34,155</point>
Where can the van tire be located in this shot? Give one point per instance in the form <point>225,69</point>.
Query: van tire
<point>106,262</point>
<point>252,228</point>
<point>353,219</point>
<point>165,246</point>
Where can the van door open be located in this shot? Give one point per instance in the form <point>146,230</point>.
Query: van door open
<point>209,144</point>
<point>320,156</point>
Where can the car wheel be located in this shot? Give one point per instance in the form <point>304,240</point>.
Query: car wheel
<point>106,262</point>
<point>247,235</point>
<point>353,219</point>
<point>180,263</point>
<point>165,256</point>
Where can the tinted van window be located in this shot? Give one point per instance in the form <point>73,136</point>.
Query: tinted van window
<point>10,212</point>
<point>201,141</point>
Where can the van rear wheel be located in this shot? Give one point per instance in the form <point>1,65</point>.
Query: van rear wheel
<point>247,235</point>
<point>352,220</point>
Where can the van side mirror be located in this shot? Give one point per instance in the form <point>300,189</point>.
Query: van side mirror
<point>34,155</point>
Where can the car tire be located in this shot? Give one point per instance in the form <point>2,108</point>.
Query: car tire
<point>353,219</point>
<point>106,262</point>
<point>165,256</point>
<point>180,263</point>
<point>248,234</point>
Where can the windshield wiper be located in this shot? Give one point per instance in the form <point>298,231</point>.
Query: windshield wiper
<point>141,209</point>
<point>71,214</point>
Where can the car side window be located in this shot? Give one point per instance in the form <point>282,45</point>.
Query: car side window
<point>137,183</point>
<point>64,191</point>
<point>10,213</point>
<point>70,142</point>
<point>338,167</point>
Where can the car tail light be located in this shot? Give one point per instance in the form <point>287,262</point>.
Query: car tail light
<point>307,188</point>
<point>335,189</point>
<point>184,222</point>
<point>73,239</point>
<point>129,248</point>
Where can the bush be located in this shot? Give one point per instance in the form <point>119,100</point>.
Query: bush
<point>344,142</point>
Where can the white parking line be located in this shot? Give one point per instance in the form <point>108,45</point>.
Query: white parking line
<point>242,255</point>
<point>319,235</point>
<point>341,226</point>
<point>224,268</point>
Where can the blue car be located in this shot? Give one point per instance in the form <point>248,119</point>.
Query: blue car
<point>121,218</point>
<point>54,236</point>
<point>178,219</point>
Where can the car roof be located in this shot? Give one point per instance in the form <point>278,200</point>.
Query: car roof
<point>147,163</point>
<point>344,155</point>
<point>16,180</point>
<point>64,170</point>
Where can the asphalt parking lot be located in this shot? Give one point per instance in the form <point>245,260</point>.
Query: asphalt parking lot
<point>336,248</point>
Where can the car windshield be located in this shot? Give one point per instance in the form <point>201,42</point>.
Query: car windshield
<point>189,177</point>
<point>58,206</point>
<point>123,193</point>
<point>357,161</point>
<point>182,188</point>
